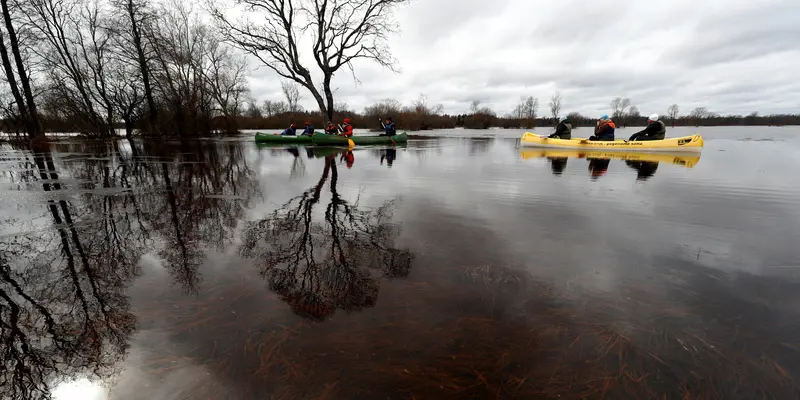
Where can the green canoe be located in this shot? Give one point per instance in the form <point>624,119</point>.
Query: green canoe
<point>359,140</point>
<point>278,138</point>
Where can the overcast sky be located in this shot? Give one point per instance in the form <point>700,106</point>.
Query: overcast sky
<point>731,56</point>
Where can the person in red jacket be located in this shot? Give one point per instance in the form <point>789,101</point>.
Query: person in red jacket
<point>348,128</point>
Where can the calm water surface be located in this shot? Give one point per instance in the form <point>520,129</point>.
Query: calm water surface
<point>457,266</point>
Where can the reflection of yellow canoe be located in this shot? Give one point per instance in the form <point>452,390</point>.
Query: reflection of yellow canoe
<point>687,160</point>
<point>692,143</point>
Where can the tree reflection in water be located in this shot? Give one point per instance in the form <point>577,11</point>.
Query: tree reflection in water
<point>63,312</point>
<point>64,309</point>
<point>319,267</point>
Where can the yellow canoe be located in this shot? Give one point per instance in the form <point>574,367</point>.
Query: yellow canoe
<point>692,143</point>
<point>688,160</point>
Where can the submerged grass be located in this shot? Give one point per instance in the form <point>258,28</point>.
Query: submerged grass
<point>491,333</point>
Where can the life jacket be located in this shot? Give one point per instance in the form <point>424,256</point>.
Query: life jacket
<point>348,130</point>
<point>390,128</point>
<point>309,130</point>
<point>288,131</point>
<point>331,129</point>
<point>606,133</point>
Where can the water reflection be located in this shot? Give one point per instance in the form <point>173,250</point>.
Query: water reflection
<point>645,164</point>
<point>558,164</point>
<point>644,169</point>
<point>64,274</point>
<point>64,311</point>
<point>318,267</point>
<point>388,154</point>
<point>128,264</point>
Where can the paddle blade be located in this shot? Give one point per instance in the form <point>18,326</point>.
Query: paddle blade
<point>351,143</point>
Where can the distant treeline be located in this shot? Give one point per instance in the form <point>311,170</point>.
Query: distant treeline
<point>274,115</point>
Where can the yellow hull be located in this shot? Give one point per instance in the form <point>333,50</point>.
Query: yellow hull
<point>688,160</point>
<point>692,143</point>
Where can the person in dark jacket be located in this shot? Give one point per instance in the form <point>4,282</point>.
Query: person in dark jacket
<point>309,129</point>
<point>389,128</point>
<point>563,129</point>
<point>331,129</point>
<point>290,131</point>
<point>604,130</point>
<point>655,130</point>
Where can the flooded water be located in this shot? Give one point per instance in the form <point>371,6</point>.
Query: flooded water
<point>456,266</point>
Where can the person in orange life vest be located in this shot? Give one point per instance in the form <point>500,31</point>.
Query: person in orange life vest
<point>348,128</point>
<point>604,130</point>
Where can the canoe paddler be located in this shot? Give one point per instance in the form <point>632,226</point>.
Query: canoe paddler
<point>655,130</point>
<point>331,129</point>
<point>388,127</point>
<point>563,129</point>
<point>604,130</point>
<point>290,131</point>
<point>348,128</point>
<point>309,129</point>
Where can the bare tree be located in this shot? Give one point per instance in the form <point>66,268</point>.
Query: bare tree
<point>698,114</point>
<point>126,96</point>
<point>383,108</point>
<point>633,114</point>
<point>555,104</point>
<point>480,117</point>
<point>527,108</point>
<point>226,78</point>
<point>421,106</point>
<point>253,109</point>
<point>291,92</point>
<point>474,106</point>
<point>25,104</point>
<point>183,48</point>
<point>341,107</point>
<point>618,107</point>
<point>138,17</point>
<point>531,107</point>
<point>672,112</point>
<point>341,31</point>
<point>74,51</point>
<point>271,108</point>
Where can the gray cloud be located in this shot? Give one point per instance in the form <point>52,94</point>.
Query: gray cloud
<point>729,56</point>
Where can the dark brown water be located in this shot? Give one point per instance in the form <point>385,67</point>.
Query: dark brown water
<point>448,268</point>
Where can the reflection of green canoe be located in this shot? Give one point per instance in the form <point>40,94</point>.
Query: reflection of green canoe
<point>322,152</point>
<point>359,140</point>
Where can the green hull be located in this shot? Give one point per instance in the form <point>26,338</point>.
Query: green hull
<point>333,140</point>
<point>276,138</point>
<point>330,140</point>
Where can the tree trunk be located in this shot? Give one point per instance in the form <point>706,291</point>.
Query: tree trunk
<point>145,71</point>
<point>35,131</point>
<point>128,127</point>
<point>12,83</point>
<point>326,86</point>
